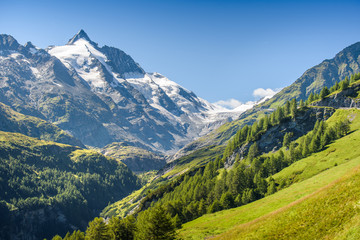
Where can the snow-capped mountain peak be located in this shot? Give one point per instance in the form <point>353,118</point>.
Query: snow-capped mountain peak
<point>144,108</point>
<point>80,35</point>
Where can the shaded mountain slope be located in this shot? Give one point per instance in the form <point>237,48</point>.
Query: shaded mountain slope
<point>11,121</point>
<point>49,188</point>
<point>137,159</point>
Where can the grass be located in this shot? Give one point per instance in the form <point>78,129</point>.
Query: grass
<point>332,212</point>
<point>313,173</point>
<point>335,154</point>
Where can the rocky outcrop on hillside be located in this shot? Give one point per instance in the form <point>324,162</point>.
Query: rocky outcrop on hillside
<point>273,138</point>
<point>344,64</point>
<point>348,98</point>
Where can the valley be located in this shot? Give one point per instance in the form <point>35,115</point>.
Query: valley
<point>94,147</point>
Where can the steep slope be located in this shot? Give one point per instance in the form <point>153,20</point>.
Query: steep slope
<point>344,64</point>
<point>137,159</point>
<point>308,177</point>
<point>49,188</point>
<point>11,121</point>
<point>101,95</point>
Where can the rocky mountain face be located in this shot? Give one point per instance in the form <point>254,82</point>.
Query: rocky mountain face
<point>344,64</point>
<point>101,95</point>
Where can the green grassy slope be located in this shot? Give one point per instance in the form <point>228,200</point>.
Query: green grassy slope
<point>12,121</point>
<point>313,173</point>
<point>332,212</point>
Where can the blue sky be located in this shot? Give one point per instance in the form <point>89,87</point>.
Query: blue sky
<point>220,50</point>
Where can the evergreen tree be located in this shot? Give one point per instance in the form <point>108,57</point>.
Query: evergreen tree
<point>271,187</point>
<point>324,92</point>
<point>238,201</point>
<point>76,235</point>
<point>352,78</point>
<point>287,108</point>
<point>248,196</point>
<point>266,123</point>
<point>122,229</point>
<point>344,84</point>
<point>215,207</point>
<point>97,230</point>
<point>177,221</point>
<point>301,104</point>
<point>253,151</point>
<point>155,224</point>
<point>311,98</point>
<point>279,115</point>
<point>286,141</point>
<point>227,200</point>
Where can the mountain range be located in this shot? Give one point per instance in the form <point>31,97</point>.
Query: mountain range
<point>84,131</point>
<point>101,95</point>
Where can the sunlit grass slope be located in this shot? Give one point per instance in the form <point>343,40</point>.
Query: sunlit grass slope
<point>331,212</point>
<point>310,175</point>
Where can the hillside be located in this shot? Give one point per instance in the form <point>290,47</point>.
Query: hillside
<point>344,64</point>
<point>136,159</point>
<point>311,178</point>
<point>12,121</point>
<point>49,188</point>
<point>239,169</point>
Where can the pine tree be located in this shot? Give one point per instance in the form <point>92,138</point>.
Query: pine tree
<point>215,207</point>
<point>279,115</point>
<point>76,235</point>
<point>266,123</point>
<point>287,108</point>
<point>238,200</point>
<point>248,196</point>
<point>227,200</point>
<point>344,84</point>
<point>253,151</point>
<point>311,98</point>
<point>177,221</point>
<point>271,187</point>
<point>122,229</point>
<point>286,141</point>
<point>155,224</point>
<point>324,92</point>
<point>352,78</point>
<point>97,230</point>
<point>293,108</point>
<point>301,104</point>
